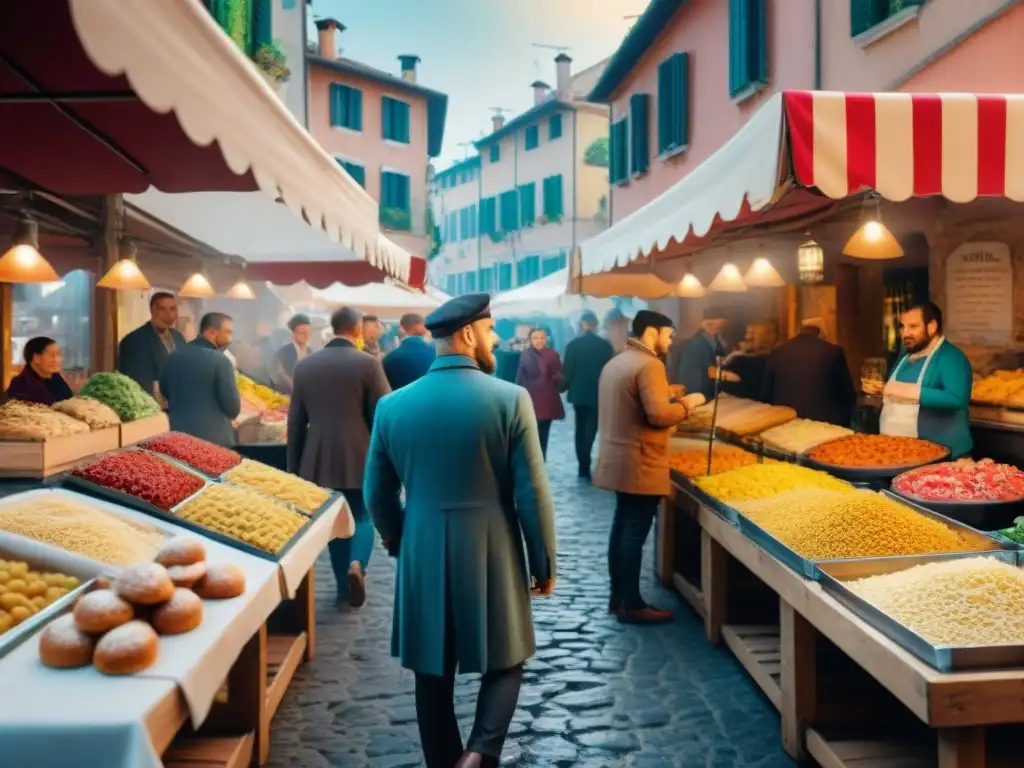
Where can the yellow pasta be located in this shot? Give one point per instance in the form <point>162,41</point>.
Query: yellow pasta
<point>761,481</point>
<point>282,485</point>
<point>244,515</point>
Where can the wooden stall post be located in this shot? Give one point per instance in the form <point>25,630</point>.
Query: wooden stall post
<point>962,748</point>
<point>666,530</point>
<point>305,602</point>
<point>714,575</point>
<point>798,644</point>
<point>105,330</point>
<point>6,329</point>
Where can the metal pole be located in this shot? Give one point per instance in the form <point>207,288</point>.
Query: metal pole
<point>714,411</point>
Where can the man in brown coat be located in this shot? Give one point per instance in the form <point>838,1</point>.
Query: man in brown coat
<point>636,413</point>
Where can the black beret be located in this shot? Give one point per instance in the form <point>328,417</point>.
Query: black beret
<point>458,313</point>
<point>647,318</point>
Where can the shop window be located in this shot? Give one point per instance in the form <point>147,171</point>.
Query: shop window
<point>356,170</point>
<point>62,311</point>
<point>673,103</point>
<point>748,46</point>
<point>618,152</point>
<point>346,107</point>
<point>865,14</point>
<point>639,107</point>
<point>494,153</point>
<point>395,204</point>
<point>532,137</point>
<point>553,198</point>
<point>395,118</point>
<point>527,204</point>
<point>554,127</point>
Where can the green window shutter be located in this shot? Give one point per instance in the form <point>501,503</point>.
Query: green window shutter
<point>262,33</point>
<point>618,152</point>
<point>387,117</point>
<point>748,44</point>
<point>527,204</point>
<point>864,14</point>
<point>494,153</point>
<point>509,211</point>
<point>487,223</point>
<point>532,137</point>
<point>394,201</point>
<point>555,127</point>
<point>639,107</point>
<point>395,120</point>
<point>334,102</point>
<point>356,171</point>
<point>674,103</point>
<point>354,109</point>
<point>664,106</point>
<point>553,197</point>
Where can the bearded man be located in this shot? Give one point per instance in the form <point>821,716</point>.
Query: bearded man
<point>464,445</point>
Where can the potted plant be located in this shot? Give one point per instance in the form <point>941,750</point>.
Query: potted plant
<point>273,63</point>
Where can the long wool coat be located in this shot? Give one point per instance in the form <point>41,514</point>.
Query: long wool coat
<point>465,447</point>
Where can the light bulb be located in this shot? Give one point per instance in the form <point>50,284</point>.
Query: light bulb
<point>872,231</point>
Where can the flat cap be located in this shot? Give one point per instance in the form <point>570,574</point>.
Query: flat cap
<point>458,313</point>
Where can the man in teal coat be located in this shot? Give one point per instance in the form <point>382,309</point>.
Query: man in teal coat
<point>464,446</point>
<point>929,392</point>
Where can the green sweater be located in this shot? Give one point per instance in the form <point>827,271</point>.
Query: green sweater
<point>945,397</point>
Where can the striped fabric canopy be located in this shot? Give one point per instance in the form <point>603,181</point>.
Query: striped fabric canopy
<point>960,146</point>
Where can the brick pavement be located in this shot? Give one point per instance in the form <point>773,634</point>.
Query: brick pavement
<point>597,694</point>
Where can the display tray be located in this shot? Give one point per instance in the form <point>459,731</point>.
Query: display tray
<point>132,502</point>
<point>181,464</point>
<point>142,429</point>
<point>811,569</point>
<point>41,459</point>
<point>701,496</point>
<point>869,474</point>
<point>983,515</point>
<point>833,574</point>
<point>760,448</point>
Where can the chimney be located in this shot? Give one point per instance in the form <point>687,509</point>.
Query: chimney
<point>328,31</point>
<point>499,121</point>
<point>564,76</point>
<point>409,62</point>
<point>540,91</point>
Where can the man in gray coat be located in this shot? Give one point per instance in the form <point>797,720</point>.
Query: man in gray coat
<point>464,445</point>
<point>199,384</point>
<point>334,396</point>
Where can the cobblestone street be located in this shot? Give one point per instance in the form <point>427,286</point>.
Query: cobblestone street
<point>597,693</point>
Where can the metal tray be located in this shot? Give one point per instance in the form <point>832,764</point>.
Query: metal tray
<point>811,569</point>
<point>705,499</point>
<point>869,474</point>
<point>179,463</point>
<point>943,658</point>
<point>983,515</point>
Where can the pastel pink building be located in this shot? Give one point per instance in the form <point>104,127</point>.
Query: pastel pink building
<point>382,128</point>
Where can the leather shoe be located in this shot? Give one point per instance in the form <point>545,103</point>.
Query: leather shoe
<point>646,615</point>
<point>475,760</point>
<point>613,604</point>
<point>356,585</point>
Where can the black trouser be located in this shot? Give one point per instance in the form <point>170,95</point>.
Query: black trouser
<point>634,514</point>
<point>435,710</point>
<point>544,432</point>
<point>586,433</point>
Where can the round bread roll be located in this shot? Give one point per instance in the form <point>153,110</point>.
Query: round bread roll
<point>100,611</point>
<point>125,650</point>
<point>144,584</point>
<point>181,550</point>
<point>182,613</point>
<point>62,645</point>
<point>221,582</point>
<point>186,575</point>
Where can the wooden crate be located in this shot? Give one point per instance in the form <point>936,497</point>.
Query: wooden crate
<point>143,429</point>
<point>42,459</point>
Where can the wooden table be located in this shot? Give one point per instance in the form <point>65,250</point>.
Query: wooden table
<point>848,696</point>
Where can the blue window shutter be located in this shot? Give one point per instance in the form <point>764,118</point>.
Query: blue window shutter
<point>748,44</point>
<point>494,153</point>
<point>509,211</point>
<point>639,107</point>
<point>618,151</point>
<point>682,93</point>
<point>864,14</point>
<point>334,102</point>
<point>387,118</point>
<point>555,127</point>
<point>355,109</point>
<point>664,106</point>
<point>553,197</point>
<point>356,171</point>
<point>262,32</point>
<point>403,122</point>
<point>527,204</point>
<point>532,137</point>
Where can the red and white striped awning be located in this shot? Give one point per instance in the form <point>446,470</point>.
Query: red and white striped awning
<point>959,146</point>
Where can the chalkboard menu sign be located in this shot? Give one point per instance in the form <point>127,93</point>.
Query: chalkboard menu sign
<point>979,295</point>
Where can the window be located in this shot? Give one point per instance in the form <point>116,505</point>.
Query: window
<point>262,32</point>
<point>865,14</point>
<point>486,279</point>
<point>471,282</point>
<point>494,153</point>
<point>552,264</point>
<point>527,204</point>
<point>554,127</point>
<point>553,198</point>
<point>488,217</point>
<point>471,216</point>
<point>504,277</point>
<point>395,117</point>
<point>532,137</point>
<point>618,152</point>
<point>62,311</point>
<point>639,154</point>
<point>356,170</point>
<point>509,211</point>
<point>748,45</point>
<point>395,205</point>
<point>451,227</point>
<point>527,270</point>
<point>673,103</point>
<point>346,107</point>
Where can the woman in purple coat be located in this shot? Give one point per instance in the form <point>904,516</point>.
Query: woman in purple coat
<point>540,373</point>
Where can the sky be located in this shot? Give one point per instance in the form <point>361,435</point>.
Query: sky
<point>479,52</point>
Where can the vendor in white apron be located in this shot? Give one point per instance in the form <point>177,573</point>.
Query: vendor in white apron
<point>929,392</point>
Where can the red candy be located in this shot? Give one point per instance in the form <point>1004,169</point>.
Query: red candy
<point>206,457</point>
<point>143,476</point>
<point>963,480</point>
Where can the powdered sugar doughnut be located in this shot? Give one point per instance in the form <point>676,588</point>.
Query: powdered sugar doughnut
<point>63,646</point>
<point>100,611</point>
<point>182,613</point>
<point>144,584</point>
<point>186,575</point>
<point>125,650</point>
<point>181,550</point>
<point>221,582</point>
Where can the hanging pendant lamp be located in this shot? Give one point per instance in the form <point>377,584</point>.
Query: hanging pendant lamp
<point>125,275</point>
<point>23,263</point>
<point>873,240</point>
<point>761,274</point>
<point>241,291</point>
<point>690,287</point>
<point>197,287</point>
<point>728,280</point>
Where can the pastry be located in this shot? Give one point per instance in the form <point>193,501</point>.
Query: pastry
<point>130,648</point>
<point>182,613</point>
<point>186,575</point>
<point>221,582</point>
<point>100,611</point>
<point>181,550</point>
<point>63,646</point>
<point>144,584</point>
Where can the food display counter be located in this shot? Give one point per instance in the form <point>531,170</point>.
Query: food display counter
<point>818,585</point>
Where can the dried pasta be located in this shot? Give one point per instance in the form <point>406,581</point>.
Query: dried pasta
<point>92,412</point>
<point>244,515</point>
<point>282,485</point>
<point>762,481</point>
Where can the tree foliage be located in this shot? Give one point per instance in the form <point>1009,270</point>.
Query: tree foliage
<point>597,153</point>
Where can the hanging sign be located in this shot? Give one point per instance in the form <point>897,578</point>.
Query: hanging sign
<point>979,295</point>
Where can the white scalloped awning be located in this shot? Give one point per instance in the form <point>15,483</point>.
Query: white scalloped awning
<point>176,58</point>
<point>744,172</point>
